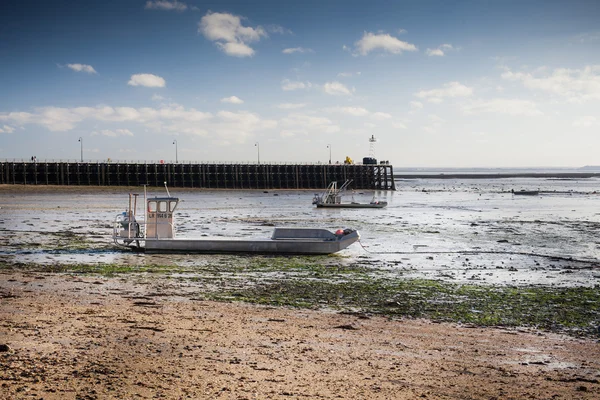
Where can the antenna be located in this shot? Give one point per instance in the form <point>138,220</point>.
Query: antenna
<point>167,189</point>
<point>372,142</point>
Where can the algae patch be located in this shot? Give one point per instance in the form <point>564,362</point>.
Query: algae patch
<point>326,283</point>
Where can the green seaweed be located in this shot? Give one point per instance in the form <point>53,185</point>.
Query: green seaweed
<point>325,282</point>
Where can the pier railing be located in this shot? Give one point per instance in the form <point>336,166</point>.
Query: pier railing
<point>196,175</point>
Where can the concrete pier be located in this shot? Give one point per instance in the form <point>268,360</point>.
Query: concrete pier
<point>209,176</point>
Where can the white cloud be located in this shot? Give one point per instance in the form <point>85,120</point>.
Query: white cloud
<point>399,125</point>
<point>440,51</point>
<point>148,80</point>
<point>288,85</point>
<point>586,122</point>
<point>359,112</point>
<point>291,106</point>
<point>380,115</point>
<point>451,89</point>
<point>58,119</point>
<point>239,127</point>
<point>157,97</point>
<point>295,124</point>
<point>381,41</point>
<point>229,33</point>
<point>348,74</point>
<point>222,128</point>
<point>7,129</point>
<point>232,100</point>
<point>337,89</point>
<point>415,106</point>
<point>66,119</point>
<point>82,68</point>
<point>515,107</point>
<point>296,50</point>
<point>435,123</point>
<point>278,29</point>
<point>111,133</point>
<point>354,111</point>
<point>434,52</point>
<point>17,117</point>
<point>166,5</point>
<point>236,49</point>
<point>576,85</point>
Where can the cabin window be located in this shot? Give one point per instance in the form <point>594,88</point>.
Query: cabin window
<point>151,206</point>
<point>162,206</point>
<point>172,206</point>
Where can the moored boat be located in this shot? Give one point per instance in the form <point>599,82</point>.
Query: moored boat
<point>156,233</point>
<point>332,198</point>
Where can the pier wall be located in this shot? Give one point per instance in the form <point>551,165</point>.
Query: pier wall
<point>209,176</point>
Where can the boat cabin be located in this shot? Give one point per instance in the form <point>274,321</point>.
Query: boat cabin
<point>159,219</point>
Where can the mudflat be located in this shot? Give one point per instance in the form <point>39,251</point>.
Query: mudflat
<point>80,319</point>
<point>83,337</point>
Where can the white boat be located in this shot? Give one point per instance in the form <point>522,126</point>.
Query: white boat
<point>332,198</point>
<point>156,233</point>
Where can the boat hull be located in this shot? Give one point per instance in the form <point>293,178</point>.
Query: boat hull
<point>352,205</point>
<point>527,193</point>
<point>248,246</point>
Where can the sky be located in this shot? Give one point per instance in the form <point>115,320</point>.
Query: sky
<point>437,83</point>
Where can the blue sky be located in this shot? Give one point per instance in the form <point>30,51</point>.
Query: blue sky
<point>438,83</point>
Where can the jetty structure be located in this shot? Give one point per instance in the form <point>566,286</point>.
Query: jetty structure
<point>371,176</point>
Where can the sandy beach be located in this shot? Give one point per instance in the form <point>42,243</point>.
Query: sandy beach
<point>73,337</point>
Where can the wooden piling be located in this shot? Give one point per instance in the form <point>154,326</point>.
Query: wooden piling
<point>192,175</point>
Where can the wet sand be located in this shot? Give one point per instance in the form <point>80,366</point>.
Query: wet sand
<point>74,337</point>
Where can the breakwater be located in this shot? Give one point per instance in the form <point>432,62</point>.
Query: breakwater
<point>210,176</point>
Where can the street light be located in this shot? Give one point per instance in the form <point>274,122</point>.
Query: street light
<point>258,150</point>
<point>81,141</point>
<point>329,147</point>
<point>175,143</point>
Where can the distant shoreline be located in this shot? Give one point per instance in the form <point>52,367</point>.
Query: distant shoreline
<point>557,175</point>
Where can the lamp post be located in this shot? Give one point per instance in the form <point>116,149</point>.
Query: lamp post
<point>176,158</point>
<point>258,150</point>
<point>81,141</point>
<point>329,147</point>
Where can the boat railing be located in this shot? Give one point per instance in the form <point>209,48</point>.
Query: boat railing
<point>127,229</point>
<point>135,230</point>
